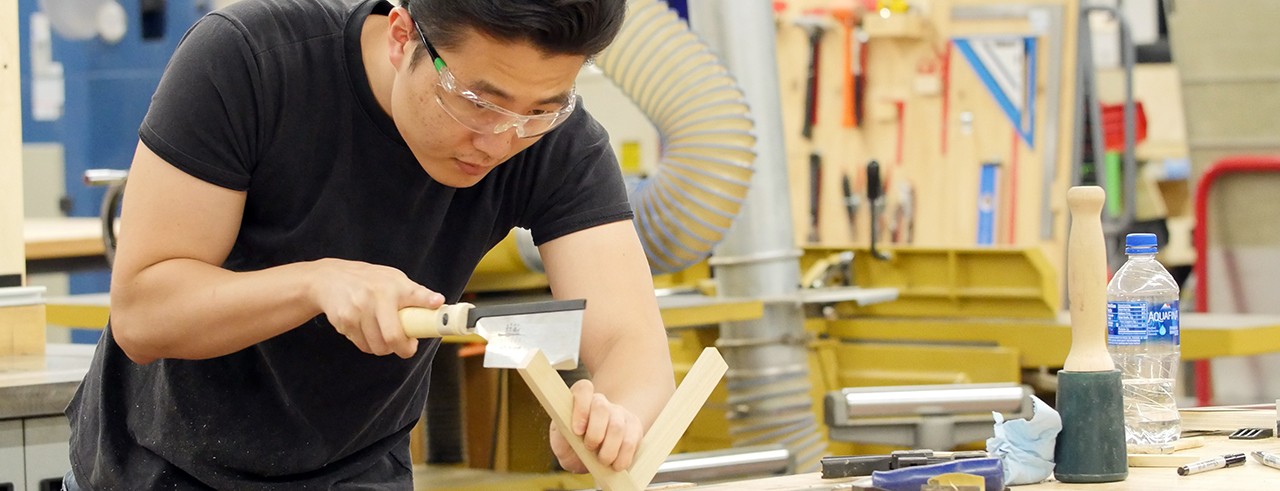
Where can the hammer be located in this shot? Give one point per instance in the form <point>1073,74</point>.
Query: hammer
<point>814,25</point>
<point>848,16</point>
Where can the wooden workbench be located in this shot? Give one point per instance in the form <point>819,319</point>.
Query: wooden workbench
<point>1044,342</point>
<point>678,311</point>
<point>41,385</point>
<point>61,238</point>
<point>65,244</point>
<point>1252,476</point>
<point>60,370</point>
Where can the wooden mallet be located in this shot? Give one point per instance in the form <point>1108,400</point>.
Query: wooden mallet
<point>1091,446</point>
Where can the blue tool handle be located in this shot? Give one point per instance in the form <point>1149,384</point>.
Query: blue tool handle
<point>912,478</point>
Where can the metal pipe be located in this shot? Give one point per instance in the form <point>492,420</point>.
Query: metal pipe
<point>932,399</point>
<point>720,465</point>
<point>760,254</point>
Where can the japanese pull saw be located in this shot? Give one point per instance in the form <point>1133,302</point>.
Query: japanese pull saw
<point>513,331</point>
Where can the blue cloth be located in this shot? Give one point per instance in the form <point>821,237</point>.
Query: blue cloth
<point>1026,446</point>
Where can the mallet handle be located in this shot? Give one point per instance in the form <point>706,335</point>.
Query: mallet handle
<point>1087,282</point>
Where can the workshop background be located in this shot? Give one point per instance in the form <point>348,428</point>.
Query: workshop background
<point>900,167</point>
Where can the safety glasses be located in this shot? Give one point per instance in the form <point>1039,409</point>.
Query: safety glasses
<point>485,117</point>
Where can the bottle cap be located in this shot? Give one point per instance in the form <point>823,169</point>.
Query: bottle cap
<point>1140,244</point>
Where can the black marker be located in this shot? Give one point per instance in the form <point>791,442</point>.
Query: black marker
<point>1229,460</point>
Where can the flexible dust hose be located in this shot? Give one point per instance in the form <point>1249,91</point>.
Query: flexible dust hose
<point>705,129</point>
<point>706,140</point>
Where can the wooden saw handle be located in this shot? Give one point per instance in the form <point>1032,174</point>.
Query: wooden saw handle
<point>1087,282</point>
<point>448,320</point>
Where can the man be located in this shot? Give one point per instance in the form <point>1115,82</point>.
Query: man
<point>306,169</point>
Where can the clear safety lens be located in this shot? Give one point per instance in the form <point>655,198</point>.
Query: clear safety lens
<point>482,116</point>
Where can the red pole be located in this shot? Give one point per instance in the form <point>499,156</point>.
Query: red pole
<point>1227,165</point>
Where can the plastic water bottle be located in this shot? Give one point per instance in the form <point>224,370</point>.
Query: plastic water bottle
<point>1144,341</point>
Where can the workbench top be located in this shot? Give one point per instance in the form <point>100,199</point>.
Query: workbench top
<point>1252,476</point>
<point>54,238</point>
<point>1044,342</point>
<point>41,385</point>
<point>678,311</point>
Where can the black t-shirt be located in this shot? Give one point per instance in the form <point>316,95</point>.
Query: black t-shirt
<point>270,97</point>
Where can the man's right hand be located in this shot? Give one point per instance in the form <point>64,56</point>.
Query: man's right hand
<point>363,301</point>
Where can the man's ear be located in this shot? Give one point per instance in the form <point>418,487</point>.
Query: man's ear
<point>402,38</point>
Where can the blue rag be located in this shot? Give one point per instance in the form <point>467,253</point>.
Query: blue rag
<point>1025,447</point>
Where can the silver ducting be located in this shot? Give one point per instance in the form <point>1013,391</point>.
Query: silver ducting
<point>768,378</point>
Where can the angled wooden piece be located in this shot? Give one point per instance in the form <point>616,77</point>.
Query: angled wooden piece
<point>677,414</point>
<point>656,445</point>
<point>557,400</point>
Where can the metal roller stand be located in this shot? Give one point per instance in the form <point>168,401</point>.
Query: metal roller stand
<point>768,377</point>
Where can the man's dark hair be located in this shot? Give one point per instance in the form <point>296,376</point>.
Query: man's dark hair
<point>562,27</point>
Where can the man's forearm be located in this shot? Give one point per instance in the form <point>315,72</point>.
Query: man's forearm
<point>183,308</point>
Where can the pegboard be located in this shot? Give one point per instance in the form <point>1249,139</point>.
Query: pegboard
<point>929,120</point>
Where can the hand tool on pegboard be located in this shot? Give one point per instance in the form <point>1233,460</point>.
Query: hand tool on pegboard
<point>815,195</point>
<point>860,78</point>
<point>946,95</point>
<point>849,14</point>
<point>988,202</point>
<point>852,201</point>
<point>903,225</point>
<point>900,108</point>
<point>875,200</point>
<point>779,10</point>
<point>814,26</point>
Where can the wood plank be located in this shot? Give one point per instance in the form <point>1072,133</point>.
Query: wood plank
<point>700,311</point>
<point>89,311</point>
<point>678,413</point>
<point>11,252</point>
<point>657,443</point>
<point>1044,342</point>
<point>22,324</point>
<point>28,328</point>
<point>556,399</point>
<point>58,238</point>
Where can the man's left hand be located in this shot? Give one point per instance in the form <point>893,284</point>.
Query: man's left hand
<point>609,430</point>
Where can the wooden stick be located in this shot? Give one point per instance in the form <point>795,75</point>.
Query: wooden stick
<point>656,445</point>
<point>1087,282</point>
<point>1162,460</point>
<point>676,416</point>
<point>557,400</point>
